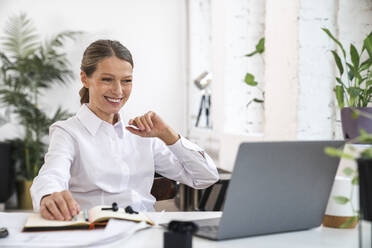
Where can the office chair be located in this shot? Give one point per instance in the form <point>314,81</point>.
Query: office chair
<point>163,188</point>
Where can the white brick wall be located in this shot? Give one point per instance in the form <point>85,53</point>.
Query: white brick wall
<point>298,72</point>
<point>316,104</point>
<point>245,26</point>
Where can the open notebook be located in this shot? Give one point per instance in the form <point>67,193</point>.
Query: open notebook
<point>97,218</point>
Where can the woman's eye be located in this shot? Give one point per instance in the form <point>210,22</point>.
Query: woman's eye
<point>127,81</point>
<point>107,79</point>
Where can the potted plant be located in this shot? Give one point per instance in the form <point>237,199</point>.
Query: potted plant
<point>354,86</point>
<point>362,177</point>
<point>28,67</point>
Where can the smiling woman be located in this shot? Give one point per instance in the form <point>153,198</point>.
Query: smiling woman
<point>93,159</point>
<point>109,82</point>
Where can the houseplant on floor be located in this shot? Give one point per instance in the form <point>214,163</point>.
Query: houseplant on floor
<point>28,67</point>
<point>354,86</point>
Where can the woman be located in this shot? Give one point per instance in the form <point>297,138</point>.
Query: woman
<point>94,160</point>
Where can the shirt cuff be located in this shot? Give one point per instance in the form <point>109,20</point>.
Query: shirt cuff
<point>182,144</point>
<point>185,143</point>
<point>36,196</point>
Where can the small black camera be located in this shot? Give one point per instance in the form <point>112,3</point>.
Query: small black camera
<point>179,234</point>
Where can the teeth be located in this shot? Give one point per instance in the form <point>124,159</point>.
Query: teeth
<point>113,99</point>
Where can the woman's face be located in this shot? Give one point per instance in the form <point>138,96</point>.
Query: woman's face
<point>109,87</point>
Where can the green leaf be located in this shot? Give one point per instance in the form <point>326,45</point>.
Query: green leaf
<point>258,100</point>
<point>335,40</point>
<point>355,180</point>
<point>350,75</point>
<point>367,153</point>
<point>260,47</point>
<point>354,91</point>
<point>348,171</point>
<point>354,56</point>
<point>349,222</point>
<point>367,44</point>
<point>365,65</point>
<point>249,79</point>
<point>339,90</point>
<point>251,54</point>
<point>368,83</point>
<point>338,62</point>
<point>339,80</point>
<point>20,38</point>
<point>341,199</point>
<point>334,152</point>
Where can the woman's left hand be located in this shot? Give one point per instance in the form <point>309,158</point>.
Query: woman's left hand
<point>151,125</point>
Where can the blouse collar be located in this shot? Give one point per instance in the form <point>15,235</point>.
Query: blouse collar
<point>92,122</point>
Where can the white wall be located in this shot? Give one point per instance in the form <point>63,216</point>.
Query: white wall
<point>281,75</point>
<point>154,31</point>
<point>298,73</point>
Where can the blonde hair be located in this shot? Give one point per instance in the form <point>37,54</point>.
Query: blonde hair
<point>95,53</point>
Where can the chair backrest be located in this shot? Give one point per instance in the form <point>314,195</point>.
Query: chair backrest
<point>163,188</point>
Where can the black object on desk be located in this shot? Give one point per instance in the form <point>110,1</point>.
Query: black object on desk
<point>179,234</point>
<point>3,232</point>
<point>113,208</point>
<point>129,210</point>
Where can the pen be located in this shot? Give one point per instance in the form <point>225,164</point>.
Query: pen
<point>86,215</point>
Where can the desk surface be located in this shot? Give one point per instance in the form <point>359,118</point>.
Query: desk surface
<point>153,237</point>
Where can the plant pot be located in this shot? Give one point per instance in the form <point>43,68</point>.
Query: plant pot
<point>351,127</point>
<point>341,215</point>
<point>365,188</point>
<point>24,196</point>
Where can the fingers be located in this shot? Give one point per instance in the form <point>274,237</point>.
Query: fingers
<point>138,123</point>
<point>134,131</point>
<point>144,122</point>
<point>72,205</point>
<point>62,206</point>
<point>148,117</point>
<point>59,206</point>
<point>53,209</point>
<point>45,213</point>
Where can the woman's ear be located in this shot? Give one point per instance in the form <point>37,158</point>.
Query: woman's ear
<point>84,80</point>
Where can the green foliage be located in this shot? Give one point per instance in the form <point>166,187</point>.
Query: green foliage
<point>260,48</point>
<point>334,152</point>
<point>341,199</point>
<point>29,66</point>
<point>355,88</point>
<point>349,222</point>
<point>249,78</point>
<point>348,171</point>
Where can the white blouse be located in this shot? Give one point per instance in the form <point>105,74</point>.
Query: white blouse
<point>100,163</point>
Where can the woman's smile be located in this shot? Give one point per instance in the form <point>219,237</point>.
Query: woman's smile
<point>114,100</point>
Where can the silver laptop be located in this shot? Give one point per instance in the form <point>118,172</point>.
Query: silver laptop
<point>275,187</point>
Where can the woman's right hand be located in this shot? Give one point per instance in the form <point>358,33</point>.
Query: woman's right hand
<point>59,206</point>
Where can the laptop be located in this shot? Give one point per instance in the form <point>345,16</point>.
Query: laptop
<point>275,187</point>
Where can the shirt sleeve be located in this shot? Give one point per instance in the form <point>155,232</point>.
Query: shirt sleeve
<point>185,162</point>
<point>54,175</point>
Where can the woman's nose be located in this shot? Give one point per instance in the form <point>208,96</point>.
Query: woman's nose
<point>116,88</point>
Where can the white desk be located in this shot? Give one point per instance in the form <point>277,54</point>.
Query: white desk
<point>153,237</point>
